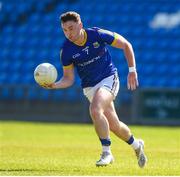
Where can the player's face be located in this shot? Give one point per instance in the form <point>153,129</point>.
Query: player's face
<point>72,30</point>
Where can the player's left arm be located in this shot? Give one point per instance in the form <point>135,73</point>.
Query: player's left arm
<point>121,43</point>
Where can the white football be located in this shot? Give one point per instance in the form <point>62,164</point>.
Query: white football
<point>45,73</point>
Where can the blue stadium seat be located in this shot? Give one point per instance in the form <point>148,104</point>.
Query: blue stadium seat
<point>3,78</point>
<point>18,93</point>
<point>5,94</point>
<point>58,95</point>
<point>44,94</point>
<point>33,94</point>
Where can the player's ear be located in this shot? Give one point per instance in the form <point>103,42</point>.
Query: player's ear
<point>81,25</point>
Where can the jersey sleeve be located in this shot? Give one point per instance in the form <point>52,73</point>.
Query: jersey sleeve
<point>65,59</point>
<point>106,36</point>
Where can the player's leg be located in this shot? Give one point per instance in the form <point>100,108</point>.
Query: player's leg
<point>97,107</point>
<point>122,131</point>
<point>116,126</point>
<point>102,98</point>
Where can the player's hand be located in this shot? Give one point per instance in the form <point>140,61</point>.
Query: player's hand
<point>48,86</point>
<point>132,82</point>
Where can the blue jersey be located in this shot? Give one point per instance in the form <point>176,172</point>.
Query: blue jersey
<point>92,60</point>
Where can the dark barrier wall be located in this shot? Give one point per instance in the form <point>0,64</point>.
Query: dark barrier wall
<point>32,103</point>
<point>144,106</point>
<point>158,106</point>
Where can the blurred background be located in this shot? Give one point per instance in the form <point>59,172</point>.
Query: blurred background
<point>30,34</point>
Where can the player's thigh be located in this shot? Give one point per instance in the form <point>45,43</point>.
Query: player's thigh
<point>102,98</point>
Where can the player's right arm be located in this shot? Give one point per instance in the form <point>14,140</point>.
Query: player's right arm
<point>68,78</point>
<point>68,73</point>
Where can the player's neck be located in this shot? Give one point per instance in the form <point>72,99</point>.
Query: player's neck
<point>82,38</point>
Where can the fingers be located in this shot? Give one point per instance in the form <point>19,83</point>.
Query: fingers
<point>46,86</point>
<point>132,81</point>
<point>132,85</point>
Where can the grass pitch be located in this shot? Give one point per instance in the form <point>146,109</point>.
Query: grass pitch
<point>72,149</point>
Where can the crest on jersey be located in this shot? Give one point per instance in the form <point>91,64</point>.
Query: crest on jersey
<point>96,44</point>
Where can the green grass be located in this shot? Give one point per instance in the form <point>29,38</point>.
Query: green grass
<point>72,149</point>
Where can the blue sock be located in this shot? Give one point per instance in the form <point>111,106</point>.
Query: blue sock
<point>131,140</point>
<point>105,142</point>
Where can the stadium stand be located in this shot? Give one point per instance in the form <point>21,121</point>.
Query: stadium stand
<point>31,34</point>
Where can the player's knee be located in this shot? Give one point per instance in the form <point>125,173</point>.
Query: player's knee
<point>95,111</point>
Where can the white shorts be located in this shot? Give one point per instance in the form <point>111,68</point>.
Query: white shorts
<point>110,83</point>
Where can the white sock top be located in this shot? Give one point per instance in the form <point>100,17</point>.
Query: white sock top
<point>106,149</point>
<point>135,144</point>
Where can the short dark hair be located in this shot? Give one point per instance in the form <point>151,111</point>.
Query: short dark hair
<point>70,16</point>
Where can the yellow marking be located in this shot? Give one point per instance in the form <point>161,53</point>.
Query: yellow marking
<point>68,66</point>
<point>115,38</point>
